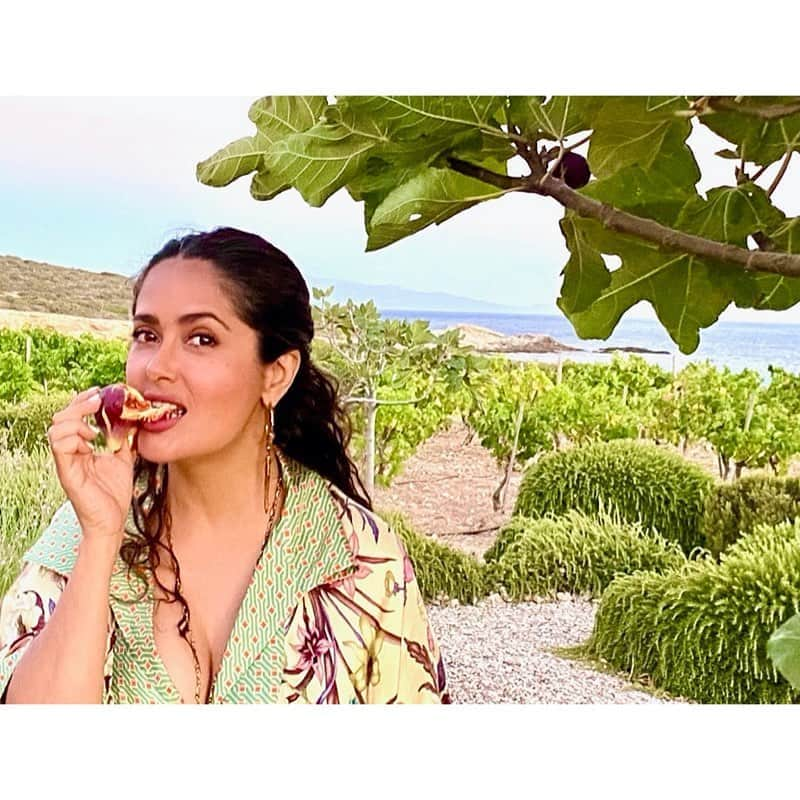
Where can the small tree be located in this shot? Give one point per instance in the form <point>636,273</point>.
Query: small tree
<point>373,356</point>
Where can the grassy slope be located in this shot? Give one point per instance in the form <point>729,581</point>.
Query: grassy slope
<point>33,286</point>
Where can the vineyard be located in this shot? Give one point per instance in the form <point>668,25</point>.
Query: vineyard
<point>602,509</point>
<point>518,410</point>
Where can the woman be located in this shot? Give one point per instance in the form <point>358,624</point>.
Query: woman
<point>228,555</point>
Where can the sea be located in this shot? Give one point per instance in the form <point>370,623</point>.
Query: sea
<point>736,345</point>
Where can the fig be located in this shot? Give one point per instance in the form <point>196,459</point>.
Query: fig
<point>121,408</point>
<point>573,170</point>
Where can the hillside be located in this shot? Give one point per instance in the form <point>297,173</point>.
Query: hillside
<point>76,300</point>
<point>33,286</point>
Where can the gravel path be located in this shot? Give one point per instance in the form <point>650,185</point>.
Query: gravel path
<point>498,652</point>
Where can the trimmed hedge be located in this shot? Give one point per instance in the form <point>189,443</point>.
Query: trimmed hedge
<point>641,482</point>
<point>736,508</point>
<point>701,632</point>
<point>443,573</point>
<point>24,425</point>
<point>574,553</point>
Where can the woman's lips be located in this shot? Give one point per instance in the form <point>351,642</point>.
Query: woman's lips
<point>160,425</point>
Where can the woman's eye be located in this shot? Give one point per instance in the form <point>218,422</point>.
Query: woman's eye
<point>210,340</point>
<point>135,335</point>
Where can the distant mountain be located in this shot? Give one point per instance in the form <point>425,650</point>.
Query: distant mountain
<point>388,297</point>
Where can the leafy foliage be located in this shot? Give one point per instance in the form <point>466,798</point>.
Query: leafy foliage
<point>415,161</point>
<point>738,508</point>
<point>748,424</point>
<point>701,632</point>
<point>499,389</point>
<point>16,377</point>
<point>574,553</point>
<point>593,402</point>
<point>57,362</point>
<point>640,482</point>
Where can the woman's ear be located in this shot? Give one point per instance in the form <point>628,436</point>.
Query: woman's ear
<point>279,376</point>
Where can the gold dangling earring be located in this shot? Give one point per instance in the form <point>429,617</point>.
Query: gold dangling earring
<point>269,429</point>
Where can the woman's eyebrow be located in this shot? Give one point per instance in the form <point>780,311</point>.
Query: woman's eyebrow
<point>153,320</point>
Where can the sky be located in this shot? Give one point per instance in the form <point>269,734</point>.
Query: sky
<point>119,179</point>
<point>101,182</point>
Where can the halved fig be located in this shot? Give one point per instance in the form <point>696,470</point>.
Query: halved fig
<point>121,408</point>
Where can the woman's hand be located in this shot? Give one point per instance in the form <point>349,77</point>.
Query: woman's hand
<point>99,485</point>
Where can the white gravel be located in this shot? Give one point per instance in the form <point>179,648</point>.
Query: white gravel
<point>499,652</point>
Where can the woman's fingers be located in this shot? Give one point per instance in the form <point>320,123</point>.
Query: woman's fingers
<point>83,404</point>
<point>66,429</point>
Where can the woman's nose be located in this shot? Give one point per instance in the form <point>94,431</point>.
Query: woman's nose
<point>161,365</point>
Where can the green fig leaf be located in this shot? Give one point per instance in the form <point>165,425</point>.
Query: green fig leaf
<point>783,649</point>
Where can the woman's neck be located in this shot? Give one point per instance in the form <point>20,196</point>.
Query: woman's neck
<point>213,498</point>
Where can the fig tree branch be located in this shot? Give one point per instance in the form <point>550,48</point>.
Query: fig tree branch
<point>621,221</point>
<point>767,112</point>
<point>781,172</point>
<point>374,401</point>
<point>761,172</point>
<point>751,260</point>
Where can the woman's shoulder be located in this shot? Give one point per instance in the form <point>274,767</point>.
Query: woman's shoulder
<point>57,547</point>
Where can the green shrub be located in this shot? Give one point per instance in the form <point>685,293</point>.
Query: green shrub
<point>30,493</point>
<point>442,572</point>
<point>575,553</point>
<point>735,508</point>
<point>24,424</point>
<point>58,362</point>
<point>701,632</point>
<point>641,482</point>
<point>510,532</point>
<point>16,377</point>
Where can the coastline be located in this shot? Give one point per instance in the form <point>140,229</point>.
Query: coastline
<point>486,340</point>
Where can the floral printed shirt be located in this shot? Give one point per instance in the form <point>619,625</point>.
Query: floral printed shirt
<point>332,614</point>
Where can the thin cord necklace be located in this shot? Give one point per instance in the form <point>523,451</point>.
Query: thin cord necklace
<point>279,489</point>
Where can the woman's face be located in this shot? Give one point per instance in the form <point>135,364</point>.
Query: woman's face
<point>207,364</point>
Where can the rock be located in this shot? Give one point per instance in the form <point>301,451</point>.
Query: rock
<point>485,340</point>
<point>632,350</point>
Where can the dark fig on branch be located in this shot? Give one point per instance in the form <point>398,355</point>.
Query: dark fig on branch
<point>121,408</point>
<point>573,170</point>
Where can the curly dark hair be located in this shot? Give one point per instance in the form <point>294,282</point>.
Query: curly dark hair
<point>311,426</point>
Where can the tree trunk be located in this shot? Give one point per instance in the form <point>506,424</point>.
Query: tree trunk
<point>728,469</point>
<point>748,417</point>
<point>499,496</point>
